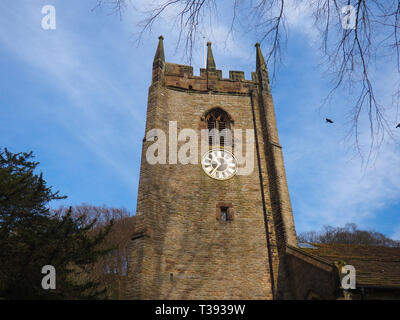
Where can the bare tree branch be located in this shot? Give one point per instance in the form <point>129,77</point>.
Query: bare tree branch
<point>349,52</point>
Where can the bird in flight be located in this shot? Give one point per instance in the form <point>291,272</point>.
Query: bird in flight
<point>330,121</point>
<point>398,126</point>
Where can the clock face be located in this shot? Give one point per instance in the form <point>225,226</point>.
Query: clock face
<point>219,164</point>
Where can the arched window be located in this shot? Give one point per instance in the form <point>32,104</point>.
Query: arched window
<point>219,128</point>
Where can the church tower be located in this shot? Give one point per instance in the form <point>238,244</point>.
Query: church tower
<point>213,219</point>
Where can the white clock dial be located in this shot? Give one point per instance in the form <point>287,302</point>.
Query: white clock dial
<point>219,164</point>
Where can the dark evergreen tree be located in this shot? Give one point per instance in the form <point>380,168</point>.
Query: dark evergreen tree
<point>32,237</point>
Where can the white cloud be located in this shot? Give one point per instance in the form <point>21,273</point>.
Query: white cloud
<point>330,185</point>
<point>66,63</point>
<point>300,20</point>
<point>215,29</point>
<point>339,190</point>
<point>396,234</point>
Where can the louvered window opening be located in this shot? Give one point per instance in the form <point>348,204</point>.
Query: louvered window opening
<point>217,121</point>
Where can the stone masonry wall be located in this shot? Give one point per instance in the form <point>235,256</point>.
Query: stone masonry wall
<point>181,250</point>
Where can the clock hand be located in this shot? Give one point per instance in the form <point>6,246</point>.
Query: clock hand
<point>216,168</point>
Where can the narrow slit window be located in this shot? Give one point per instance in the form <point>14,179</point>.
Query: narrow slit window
<point>224,213</point>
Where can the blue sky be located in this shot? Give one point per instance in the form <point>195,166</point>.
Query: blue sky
<point>77,97</point>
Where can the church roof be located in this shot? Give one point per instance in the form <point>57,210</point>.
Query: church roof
<point>375,266</point>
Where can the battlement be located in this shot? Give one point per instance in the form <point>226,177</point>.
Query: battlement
<point>195,237</point>
<point>181,70</point>
<point>181,77</point>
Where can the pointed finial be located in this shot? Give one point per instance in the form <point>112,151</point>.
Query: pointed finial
<point>210,58</point>
<point>260,62</point>
<point>261,69</point>
<point>159,56</point>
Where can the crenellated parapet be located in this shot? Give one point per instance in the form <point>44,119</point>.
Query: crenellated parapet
<point>180,77</point>
<point>195,237</point>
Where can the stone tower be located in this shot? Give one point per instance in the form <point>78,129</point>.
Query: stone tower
<point>197,237</point>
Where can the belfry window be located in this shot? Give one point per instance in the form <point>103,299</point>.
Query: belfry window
<point>219,128</point>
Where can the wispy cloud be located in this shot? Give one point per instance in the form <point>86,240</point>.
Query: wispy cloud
<point>105,104</point>
<point>70,66</point>
<point>329,183</point>
<point>300,20</point>
<point>228,48</point>
<point>396,234</point>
